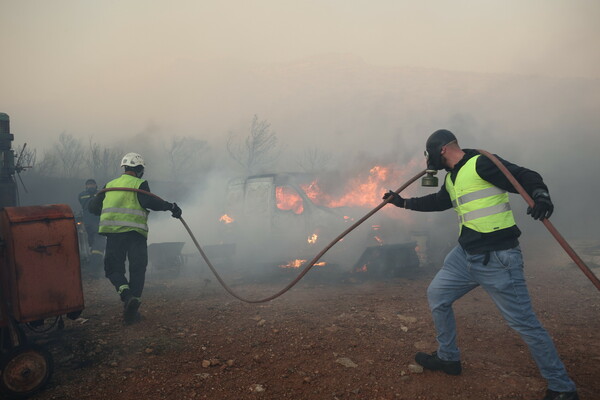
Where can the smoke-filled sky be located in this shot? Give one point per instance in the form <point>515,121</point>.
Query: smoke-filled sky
<point>368,79</point>
<point>110,69</point>
<point>65,40</point>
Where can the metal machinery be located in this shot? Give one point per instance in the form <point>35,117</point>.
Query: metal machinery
<point>40,277</point>
<point>166,257</point>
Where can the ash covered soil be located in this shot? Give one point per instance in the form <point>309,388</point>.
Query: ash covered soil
<point>338,339</point>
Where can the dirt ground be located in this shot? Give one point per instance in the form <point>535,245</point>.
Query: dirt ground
<point>346,339</point>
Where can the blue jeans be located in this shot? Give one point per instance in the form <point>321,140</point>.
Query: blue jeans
<point>502,278</point>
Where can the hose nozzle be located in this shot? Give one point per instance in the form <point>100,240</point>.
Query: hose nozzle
<point>429,179</point>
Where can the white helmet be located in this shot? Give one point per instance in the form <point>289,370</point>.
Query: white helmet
<point>132,160</point>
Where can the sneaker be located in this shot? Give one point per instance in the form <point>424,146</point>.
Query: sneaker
<point>131,310</point>
<point>434,363</point>
<point>552,395</point>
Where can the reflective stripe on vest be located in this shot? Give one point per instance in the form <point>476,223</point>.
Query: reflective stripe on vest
<point>480,194</point>
<point>124,224</point>
<point>485,212</point>
<point>479,205</point>
<point>121,211</point>
<point>125,211</point>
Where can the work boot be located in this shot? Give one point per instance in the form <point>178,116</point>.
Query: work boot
<point>130,311</point>
<point>552,395</point>
<point>136,318</point>
<point>434,363</point>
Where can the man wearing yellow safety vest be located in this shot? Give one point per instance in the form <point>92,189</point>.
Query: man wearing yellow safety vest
<point>124,222</point>
<point>488,255</point>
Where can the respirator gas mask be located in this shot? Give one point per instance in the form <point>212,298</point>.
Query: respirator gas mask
<point>433,155</point>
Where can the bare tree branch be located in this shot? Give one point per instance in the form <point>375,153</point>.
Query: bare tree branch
<point>102,162</point>
<point>187,157</point>
<point>314,160</point>
<point>259,151</point>
<point>69,152</point>
<point>49,164</point>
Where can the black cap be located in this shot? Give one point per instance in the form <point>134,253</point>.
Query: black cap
<point>90,181</point>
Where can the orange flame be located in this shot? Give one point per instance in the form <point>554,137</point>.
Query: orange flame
<point>362,269</point>
<point>312,239</point>
<point>298,263</point>
<point>293,264</point>
<point>363,191</point>
<point>226,219</point>
<point>288,199</point>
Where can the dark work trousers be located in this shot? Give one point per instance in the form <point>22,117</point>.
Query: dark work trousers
<point>97,244</point>
<point>97,254</point>
<point>131,246</point>
<point>92,233</point>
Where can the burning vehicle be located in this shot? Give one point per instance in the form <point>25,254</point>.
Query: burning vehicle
<point>285,219</point>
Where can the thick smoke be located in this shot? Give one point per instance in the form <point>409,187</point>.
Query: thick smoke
<point>362,116</point>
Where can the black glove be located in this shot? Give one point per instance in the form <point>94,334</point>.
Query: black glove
<point>543,206</point>
<point>175,211</point>
<point>396,200</point>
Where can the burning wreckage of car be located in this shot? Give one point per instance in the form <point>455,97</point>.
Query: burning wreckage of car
<point>276,223</point>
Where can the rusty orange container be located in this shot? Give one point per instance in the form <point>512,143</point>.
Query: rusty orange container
<point>40,268</point>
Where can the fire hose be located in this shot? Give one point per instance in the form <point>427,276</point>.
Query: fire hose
<point>304,270</point>
<point>563,243</point>
<point>568,249</point>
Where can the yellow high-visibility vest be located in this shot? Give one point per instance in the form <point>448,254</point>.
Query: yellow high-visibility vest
<point>479,205</point>
<point>121,210</point>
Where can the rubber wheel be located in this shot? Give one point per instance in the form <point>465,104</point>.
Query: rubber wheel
<point>24,371</point>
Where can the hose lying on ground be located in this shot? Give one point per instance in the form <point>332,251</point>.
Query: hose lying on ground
<point>304,270</point>
<point>591,276</point>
